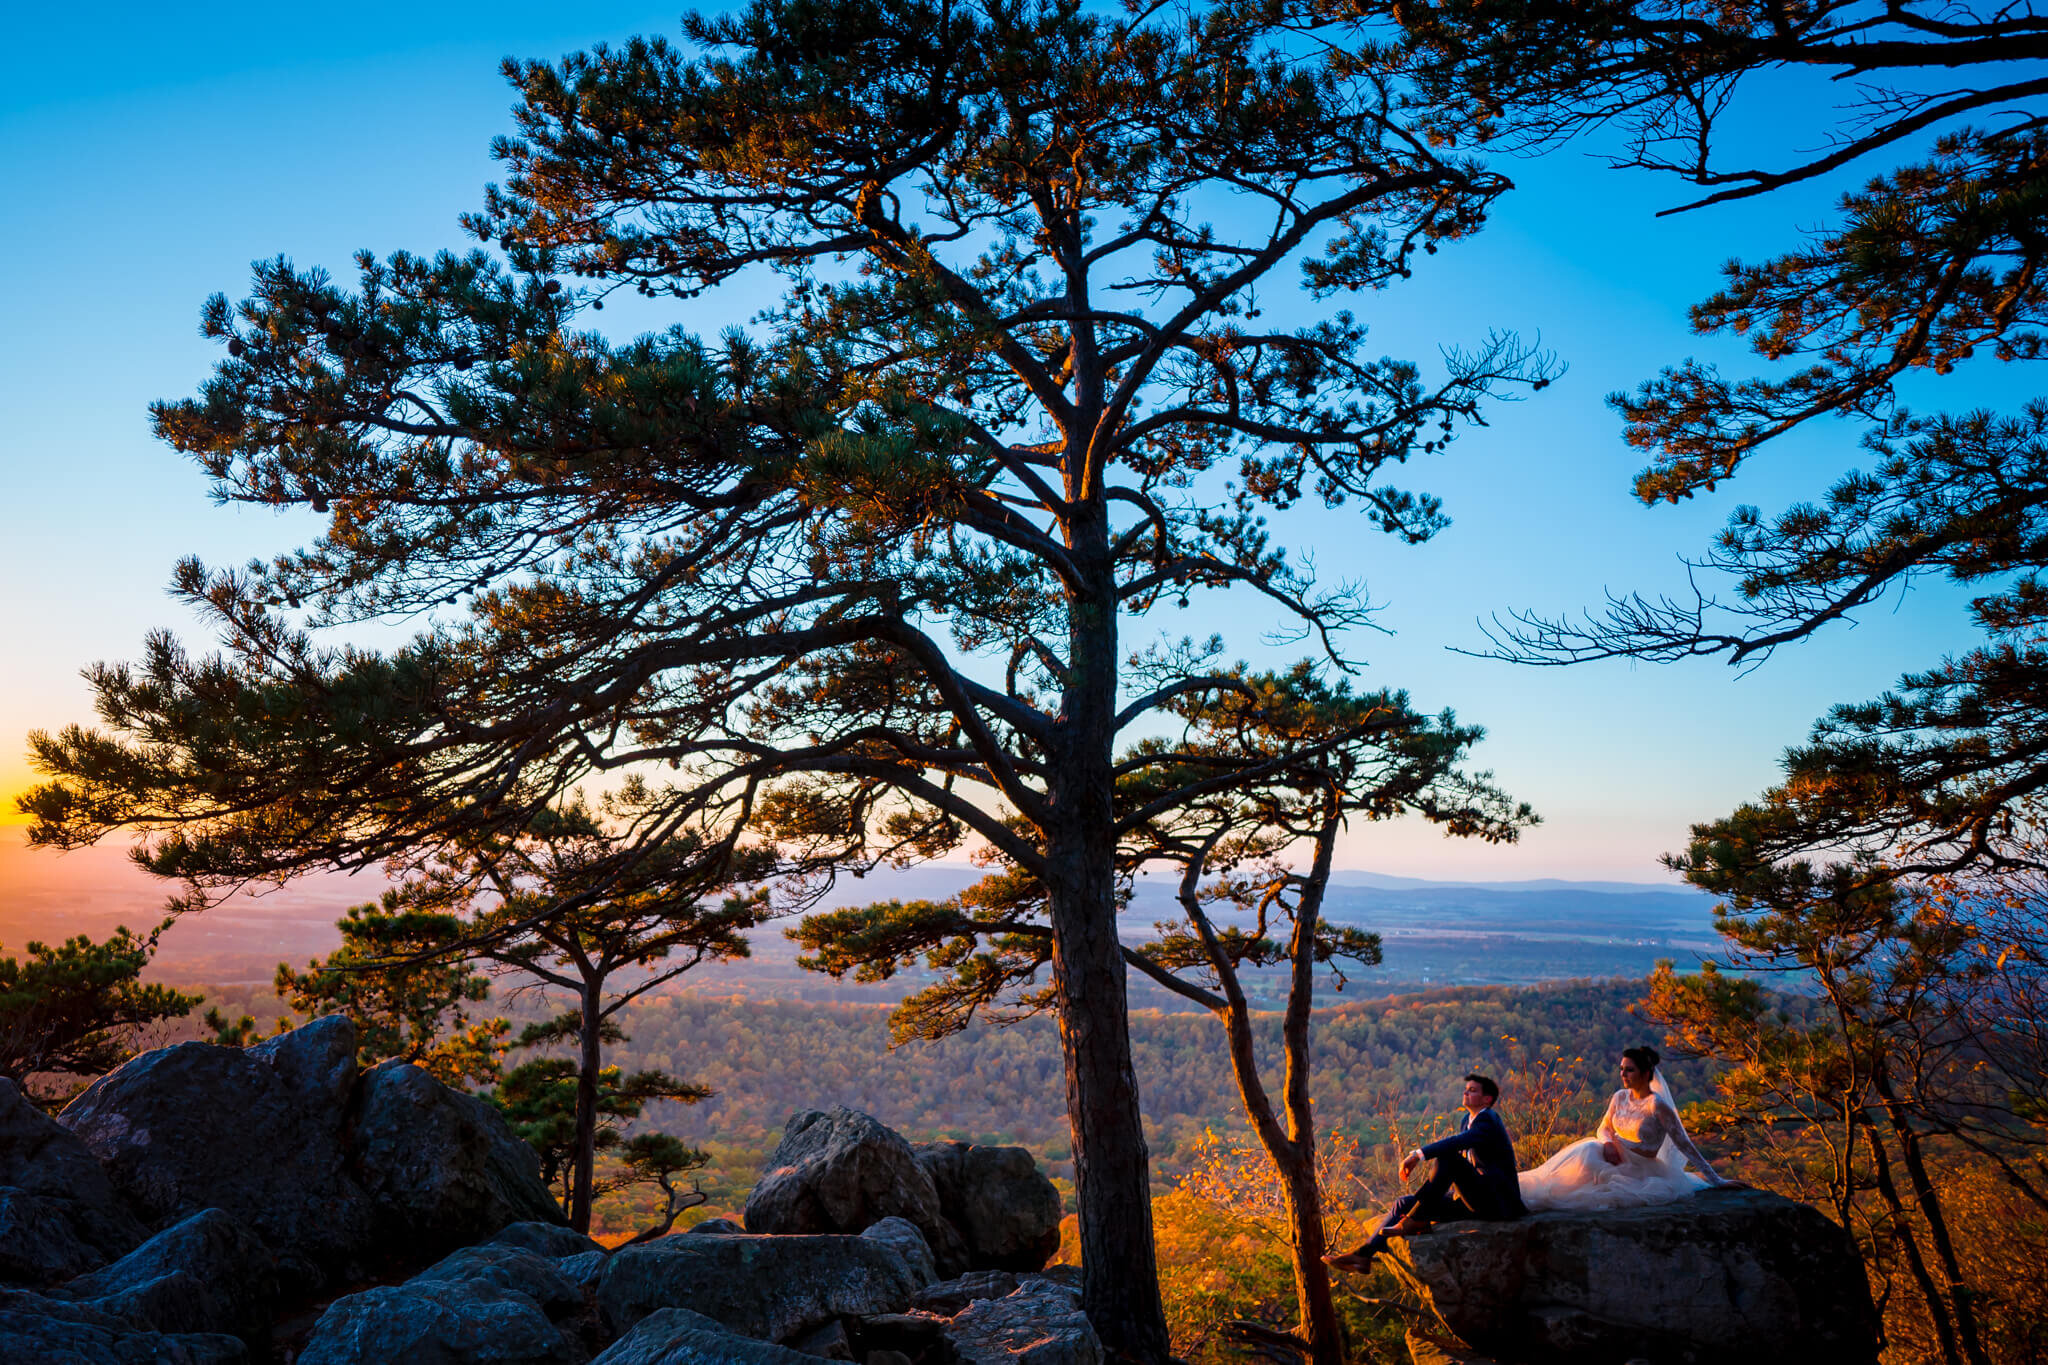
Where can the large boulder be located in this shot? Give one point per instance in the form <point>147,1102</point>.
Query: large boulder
<point>553,1240</point>
<point>437,1322</point>
<point>948,1297</point>
<point>59,1214</point>
<point>442,1169</point>
<point>342,1176</point>
<point>1040,1323</point>
<point>676,1336</point>
<point>512,1268</point>
<point>1741,1277</point>
<point>901,1236</point>
<point>769,1288</point>
<point>841,1171</point>
<point>38,1331</point>
<point>1007,1211</point>
<point>257,1132</point>
<point>205,1274</point>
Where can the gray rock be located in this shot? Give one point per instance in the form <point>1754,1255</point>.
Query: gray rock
<point>511,1268</point>
<point>1040,1324</point>
<point>902,1236</point>
<point>38,1331</point>
<point>584,1268</point>
<point>716,1227</point>
<point>839,1170</point>
<point>1741,1277</point>
<point>829,1342</point>
<point>341,1175</point>
<point>1007,1211</point>
<point>437,1322</point>
<point>59,1214</point>
<point>950,1296</point>
<point>40,1241</point>
<point>442,1169</point>
<point>916,1337</point>
<point>770,1288</point>
<point>545,1239</point>
<point>676,1336</point>
<point>206,1274</point>
<point>254,1131</point>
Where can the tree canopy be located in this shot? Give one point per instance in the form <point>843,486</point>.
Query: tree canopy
<point>1933,261</point>
<point>1015,391</point>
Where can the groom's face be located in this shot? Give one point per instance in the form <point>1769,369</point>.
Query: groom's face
<point>1476,1097</point>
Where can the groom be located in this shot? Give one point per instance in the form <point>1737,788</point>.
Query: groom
<point>1481,1185</point>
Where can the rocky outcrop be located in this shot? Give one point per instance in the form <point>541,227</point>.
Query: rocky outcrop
<point>716,1227</point>
<point>1007,1211</point>
<point>553,1240</point>
<point>950,1296</point>
<point>207,1274</point>
<point>40,1331</point>
<point>769,1288</point>
<point>901,1236</point>
<point>176,1131</point>
<point>1740,1277</point>
<point>1040,1323</point>
<point>513,1269</point>
<point>59,1214</point>
<point>676,1336</point>
<point>840,1171</point>
<point>353,1175</point>
<point>437,1322</point>
<point>441,1168</point>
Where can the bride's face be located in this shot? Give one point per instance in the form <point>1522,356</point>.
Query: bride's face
<point>1631,1075</point>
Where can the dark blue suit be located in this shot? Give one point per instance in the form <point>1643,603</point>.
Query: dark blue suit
<point>1479,1185</point>
<point>1485,1181</point>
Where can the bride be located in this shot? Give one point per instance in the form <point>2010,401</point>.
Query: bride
<point>1639,1156</point>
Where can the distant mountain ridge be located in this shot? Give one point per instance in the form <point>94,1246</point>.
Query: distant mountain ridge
<point>1438,932</point>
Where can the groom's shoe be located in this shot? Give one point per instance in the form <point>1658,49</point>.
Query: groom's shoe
<point>1358,1261</point>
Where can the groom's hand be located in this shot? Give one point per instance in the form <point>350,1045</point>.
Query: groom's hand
<point>1409,1163</point>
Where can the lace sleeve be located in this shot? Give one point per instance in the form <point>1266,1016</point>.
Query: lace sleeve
<point>1606,1131</point>
<point>1667,1115</point>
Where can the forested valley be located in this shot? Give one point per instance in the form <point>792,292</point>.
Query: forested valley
<point>1395,1058</point>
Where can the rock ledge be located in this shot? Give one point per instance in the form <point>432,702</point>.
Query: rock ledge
<point>1724,1278</point>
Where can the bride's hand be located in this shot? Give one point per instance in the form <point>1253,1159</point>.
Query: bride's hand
<point>1610,1152</point>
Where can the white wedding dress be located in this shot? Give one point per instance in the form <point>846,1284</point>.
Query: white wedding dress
<point>1654,1152</point>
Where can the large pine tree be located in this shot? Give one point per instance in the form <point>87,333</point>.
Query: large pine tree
<point>868,568</point>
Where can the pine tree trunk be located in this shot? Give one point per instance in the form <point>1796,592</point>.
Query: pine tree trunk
<point>1112,1168</point>
<point>583,1171</point>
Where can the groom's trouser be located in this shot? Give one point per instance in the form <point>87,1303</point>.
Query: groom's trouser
<point>1437,1202</point>
<point>1455,1189</point>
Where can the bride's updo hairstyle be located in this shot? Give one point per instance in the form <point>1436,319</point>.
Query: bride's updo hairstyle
<point>1645,1058</point>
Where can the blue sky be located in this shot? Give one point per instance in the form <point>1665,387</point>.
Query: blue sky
<point>151,154</point>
